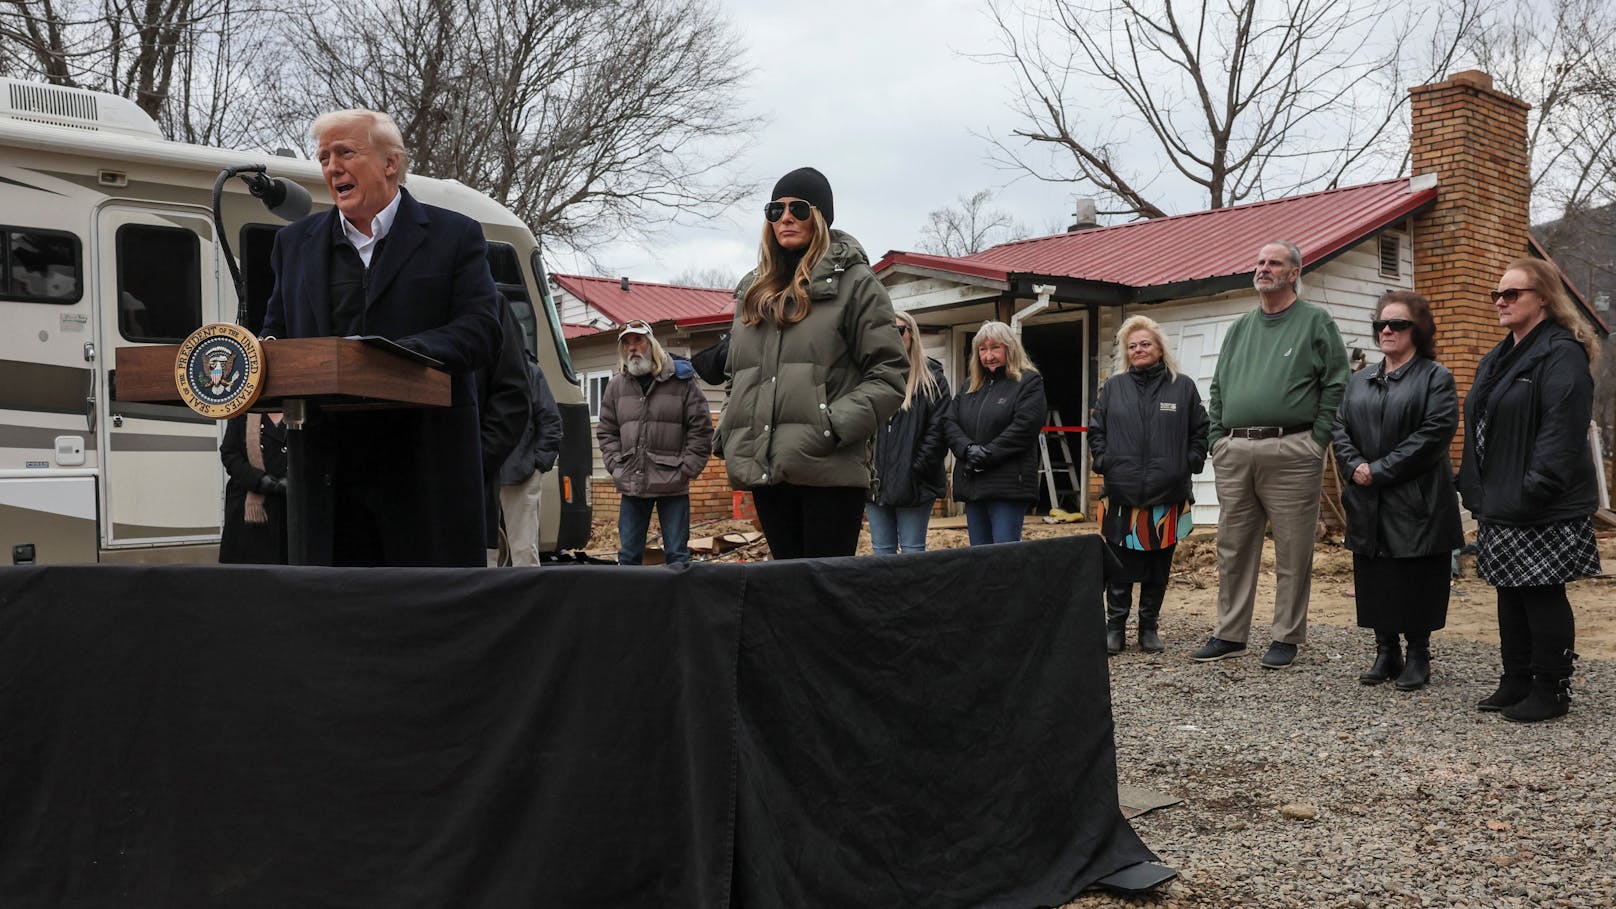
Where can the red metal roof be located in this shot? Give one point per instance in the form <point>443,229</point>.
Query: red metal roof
<point>570,330</point>
<point>643,300</point>
<point>1194,247</point>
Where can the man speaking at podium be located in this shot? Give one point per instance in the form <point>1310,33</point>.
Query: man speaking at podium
<point>406,484</point>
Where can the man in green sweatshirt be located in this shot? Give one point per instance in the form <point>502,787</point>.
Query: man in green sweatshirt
<point>1280,376</point>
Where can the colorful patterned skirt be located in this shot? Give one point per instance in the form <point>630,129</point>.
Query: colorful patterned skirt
<point>1142,538</point>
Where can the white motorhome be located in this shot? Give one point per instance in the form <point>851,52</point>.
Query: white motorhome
<point>107,241</point>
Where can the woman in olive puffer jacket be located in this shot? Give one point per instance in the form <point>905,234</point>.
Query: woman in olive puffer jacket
<point>816,367</point>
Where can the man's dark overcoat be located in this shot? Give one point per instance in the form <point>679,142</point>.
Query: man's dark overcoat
<point>408,483</point>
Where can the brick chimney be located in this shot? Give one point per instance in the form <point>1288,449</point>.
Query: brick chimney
<point>1472,138</point>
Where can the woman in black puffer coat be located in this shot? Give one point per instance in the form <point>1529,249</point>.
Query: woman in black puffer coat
<point>909,452</point>
<point>1147,436</point>
<point>993,429</point>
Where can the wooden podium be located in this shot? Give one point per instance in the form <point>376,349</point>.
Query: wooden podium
<point>304,378</point>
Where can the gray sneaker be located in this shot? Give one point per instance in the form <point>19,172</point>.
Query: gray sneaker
<point>1217,649</point>
<point>1279,656</point>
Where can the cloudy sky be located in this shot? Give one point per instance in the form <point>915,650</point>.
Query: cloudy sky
<point>881,97</point>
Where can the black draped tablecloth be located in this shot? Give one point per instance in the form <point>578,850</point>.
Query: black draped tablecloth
<point>927,730</point>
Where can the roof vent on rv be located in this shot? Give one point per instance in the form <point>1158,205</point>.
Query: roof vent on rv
<point>75,107</point>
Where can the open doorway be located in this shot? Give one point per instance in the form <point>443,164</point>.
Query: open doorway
<point>1059,350</point>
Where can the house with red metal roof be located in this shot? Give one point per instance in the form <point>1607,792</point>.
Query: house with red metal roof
<point>1445,232</point>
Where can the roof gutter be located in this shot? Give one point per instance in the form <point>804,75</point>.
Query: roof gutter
<point>1043,291</point>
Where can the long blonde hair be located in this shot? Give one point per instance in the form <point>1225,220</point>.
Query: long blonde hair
<point>1547,283</point>
<point>920,377</point>
<point>775,295</point>
<point>1142,323</point>
<point>1016,361</point>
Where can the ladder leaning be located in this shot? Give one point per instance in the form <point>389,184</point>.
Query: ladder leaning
<point>1059,466</point>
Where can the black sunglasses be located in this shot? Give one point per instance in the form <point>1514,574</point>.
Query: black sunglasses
<point>1508,294</point>
<point>774,211</point>
<point>1380,325</point>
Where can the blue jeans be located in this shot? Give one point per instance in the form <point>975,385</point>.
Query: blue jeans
<point>634,519</point>
<point>994,520</point>
<point>893,528</point>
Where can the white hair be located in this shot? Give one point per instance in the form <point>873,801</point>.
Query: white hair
<point>382,129</point>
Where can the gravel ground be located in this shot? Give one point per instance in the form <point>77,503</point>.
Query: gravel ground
<point>1405,799</point>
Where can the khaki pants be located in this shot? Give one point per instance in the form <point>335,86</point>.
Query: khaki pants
<point>521,506</point>
<point>1263,483</point>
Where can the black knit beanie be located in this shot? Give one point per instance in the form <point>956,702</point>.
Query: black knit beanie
<point>809,185</point>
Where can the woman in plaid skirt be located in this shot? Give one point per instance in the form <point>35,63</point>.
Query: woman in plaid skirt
<point>1528,477</point>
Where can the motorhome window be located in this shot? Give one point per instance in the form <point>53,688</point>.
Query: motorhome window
<point>503,263</point>
<point>159,283</point>
<point>40,266</point>
<point>507,272</point>
<point>557,336</point>
<point>257,242</point>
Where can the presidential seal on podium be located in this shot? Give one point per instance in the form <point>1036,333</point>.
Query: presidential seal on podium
<point>220,370</point>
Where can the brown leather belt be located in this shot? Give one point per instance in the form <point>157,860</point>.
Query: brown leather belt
<point>1267,432</point>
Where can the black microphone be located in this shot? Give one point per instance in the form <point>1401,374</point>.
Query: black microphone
<point>284,199</point>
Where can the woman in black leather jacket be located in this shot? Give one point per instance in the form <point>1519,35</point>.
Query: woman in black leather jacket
<point>1391,448</point>
<point>1528,477</point>
<point>1147,437</point>
<point>993,428</point>
<point>909,453</point>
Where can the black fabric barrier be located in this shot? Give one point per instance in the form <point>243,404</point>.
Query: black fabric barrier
<point>929,730</point>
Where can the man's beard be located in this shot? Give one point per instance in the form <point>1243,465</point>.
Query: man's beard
<point>639,366</point>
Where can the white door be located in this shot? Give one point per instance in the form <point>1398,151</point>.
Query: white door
<point>1198,346</point>
<point>156,282</point>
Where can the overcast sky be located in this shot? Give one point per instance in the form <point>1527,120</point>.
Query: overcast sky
<point>879,96</point>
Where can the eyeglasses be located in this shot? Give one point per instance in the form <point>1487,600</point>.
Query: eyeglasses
<point>903,329</point>
<point>1509,294</point>
<point>1380,325</point>
<point>774,211</point>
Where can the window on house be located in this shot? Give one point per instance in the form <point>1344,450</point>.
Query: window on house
<point>158,305</point>
<point>594,386</point>
<point>40,266</point>
<point>1391,258</point>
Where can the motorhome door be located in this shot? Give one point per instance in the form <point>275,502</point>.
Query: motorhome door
<point>156,282</point>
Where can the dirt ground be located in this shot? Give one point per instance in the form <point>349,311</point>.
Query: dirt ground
<point>1194,589</point>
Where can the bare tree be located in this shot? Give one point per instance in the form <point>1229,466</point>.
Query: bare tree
<point>1240,99</point>
<point>711,277</point>
<point>588,118</point>
<point>186,63</point>
<point>970,228</point>
<point>1557,57</point>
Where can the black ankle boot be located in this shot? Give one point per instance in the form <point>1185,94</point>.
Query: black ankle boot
<point>1512,689</point>
<point>1150,640</point>
<point>1417,670</point>
<point>1118,602</point>
<point>1388,660</point>
<point>1150,603</point>
<point>1550,697</point>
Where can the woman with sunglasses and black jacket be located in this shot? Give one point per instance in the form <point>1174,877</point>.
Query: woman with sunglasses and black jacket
<point>1528,477</point>
<point>1392,435</point>
<point>816,367</point>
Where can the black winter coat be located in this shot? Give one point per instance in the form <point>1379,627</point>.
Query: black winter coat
<point>1007,417</point>
<point>909,449</point>
<point>1147,436</point>
<point>1401,426</point>
<point>243,543</point>
<point>1537,468</point>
